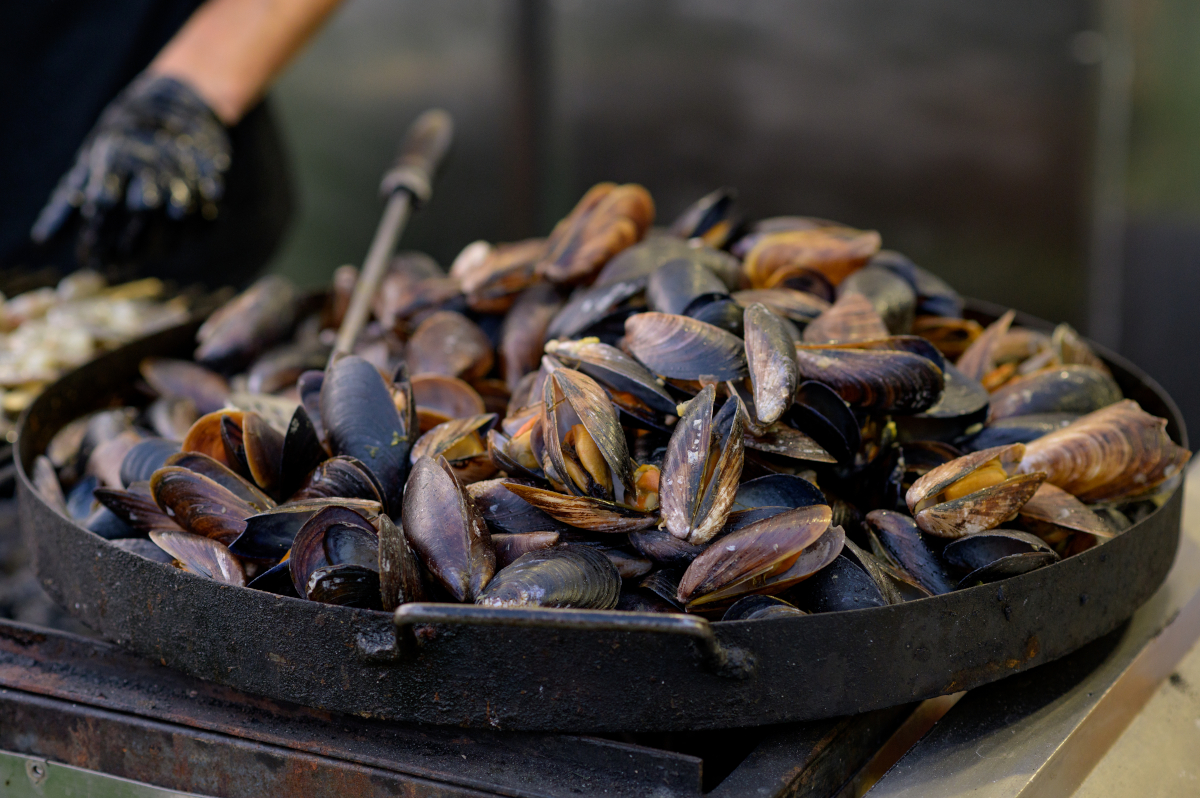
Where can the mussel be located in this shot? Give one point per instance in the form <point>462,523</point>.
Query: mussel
<point>567,576</point>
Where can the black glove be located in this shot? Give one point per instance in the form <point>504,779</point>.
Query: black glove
<point>158,152</point>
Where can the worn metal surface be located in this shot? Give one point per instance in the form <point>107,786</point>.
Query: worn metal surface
<point>1038,734</point>
<point>580,679</point>
<point>33,777</point>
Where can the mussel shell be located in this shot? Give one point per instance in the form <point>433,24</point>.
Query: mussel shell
<point>108,525</point>
<point>678,283</point>
<point>449,343</point>
<point>819,412</point>
<point>881,381</point>
<point>684,348</point>
<point>511,546</point>
<point>400,578</point>
<point>277,579</point>
<point>783,440</point>
<point>798,306</point>
<point>771,361</point>
<point>302,452</point>
<point>900,538</point>
<point>751,608</point>
<point>201,556</point>
<point>143,547</point>
<point>1018,429</point>
<point>145,458</point>
<point>892,296</point>
<point>980,550</point>
<point>347,544</point>
<point>362,421</point>
<point>588,307</point>
<point>565,576</point>
<point>719,311</point>
<point>184,379</point>
<point>348,585</point>
<point>851,318</point>
<point>250,323</point>
<point>269,535</point>
<point>570,395</point>
<point>695,501</point>
<point>200,505</point>
<point>875,569</point>
<point>583,512</point>
<point>308,552</point>
<point>664,584</point>
<point>840,586</point>
<point>777,490</point>
<point>750,555</point>
<point>1065,389</point>
<point>961,410</point>
<point>707,217</point>
<point>606,220</point>
<point>135,506</point>
<point>935,297</point>
<point>1111,454</point>
<point>1012,565</point>
<point>615,370</point>
<point>1053,508</point>
<point>979,358</point>
<point>835,252</point>
<point>171,418</point>
<point>444,436</point>
<point>507,513</point>
<point>217,472</point>
<point>663,547</point>
<point>636,264</point>
<point>630,565</point>
<point>262,448</point>
<point>80,499</point>
<point>278,369</point>
<point>446,530</point>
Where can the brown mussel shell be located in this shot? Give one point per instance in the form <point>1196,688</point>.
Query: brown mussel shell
<point>982,509</point>
<point>470,459</point>
<point>1053,509</point>
<point>606,220</point>
<point>566,576</point>
<point>205,435</point>
<point>742,561</point>
<point>1112,454</point>
<point>450,344</point>
<point>833,252</point>
<point>771,361</point>
<point>881,381</point>
<point>701,469</point>
<point>684,348</point>
<point>136,507</point>
<point>979,359</point>
<point>523,332</point>
<point>201,556</point>
<point>851,318</point>
<point>569,398</point>
<point>399,570</point>
<point>584,512</point>
<point>511,546</point>
<point>171,378</point>
<point>798,306</point>
<point>446,530</point>
<point>252,322</point>
<point>225,477</point>
<point>200,505</point>
<point>1064,389</point>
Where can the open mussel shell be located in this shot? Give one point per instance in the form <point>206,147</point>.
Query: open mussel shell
<point>842,585</point>
<point>302,452</point>
<point>880,381</point>
<point>822,414</point>
<point>711,218</point>
<point>596,463</point>
<point>634,390</point>
<point>680,282</point>
<point>400,578</point>
<point>1114,453</point>
<point>783,440</point>
<point>460,441</point>
<point>449,343</point>
<point>876,569</point>
<point>752,608</point>
<point>584,512</point>
<point>978,551</point>
<point>255,449</point>
<point>1012,565</point>
<point>745,561</point>
<point>340,477</point>
<point>201,556</point>
<point>1018,429</point>
<point>447,531</point>
<point>979,359</point>
<point>636,264</point>
<point>960,412</point>
<point>851,318</point>
<point>834,252</point>
<point>145,458</point>
<point>900,540</point>
<point>171,378</point>
<point>892,297</point>
<point>771,361</point>
<point>702,467</point>
<point>205,436</point>
<point>975,492</point>
<point>1064,389</point>
<point>333,536</point>
<point>507,513</point>
<point>1052,510</point>
<point>200,505</point>
<point>347,584</point>
<point>269,535</point>
<point>606,220</point>
<point>226,478</point>
<point>684,348</point>
<point>362,421</point>
<point>440,398</point>
<point>565,576</point>
<point>589,308</point>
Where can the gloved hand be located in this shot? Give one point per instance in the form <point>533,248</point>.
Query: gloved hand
<point>157,153</point>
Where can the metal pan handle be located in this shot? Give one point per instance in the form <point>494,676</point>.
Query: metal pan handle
<point>730,661</point>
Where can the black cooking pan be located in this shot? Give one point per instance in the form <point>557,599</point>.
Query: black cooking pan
<point>578,671</point>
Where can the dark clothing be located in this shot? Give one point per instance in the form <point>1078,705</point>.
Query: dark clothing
<point>61,62</point>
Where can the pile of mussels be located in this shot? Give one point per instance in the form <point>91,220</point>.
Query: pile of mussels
<point>741,420</point>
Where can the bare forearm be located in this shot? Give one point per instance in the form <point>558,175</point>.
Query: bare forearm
<point>229,51</point>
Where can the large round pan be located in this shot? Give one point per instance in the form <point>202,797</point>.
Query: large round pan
<point>576,671</point>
